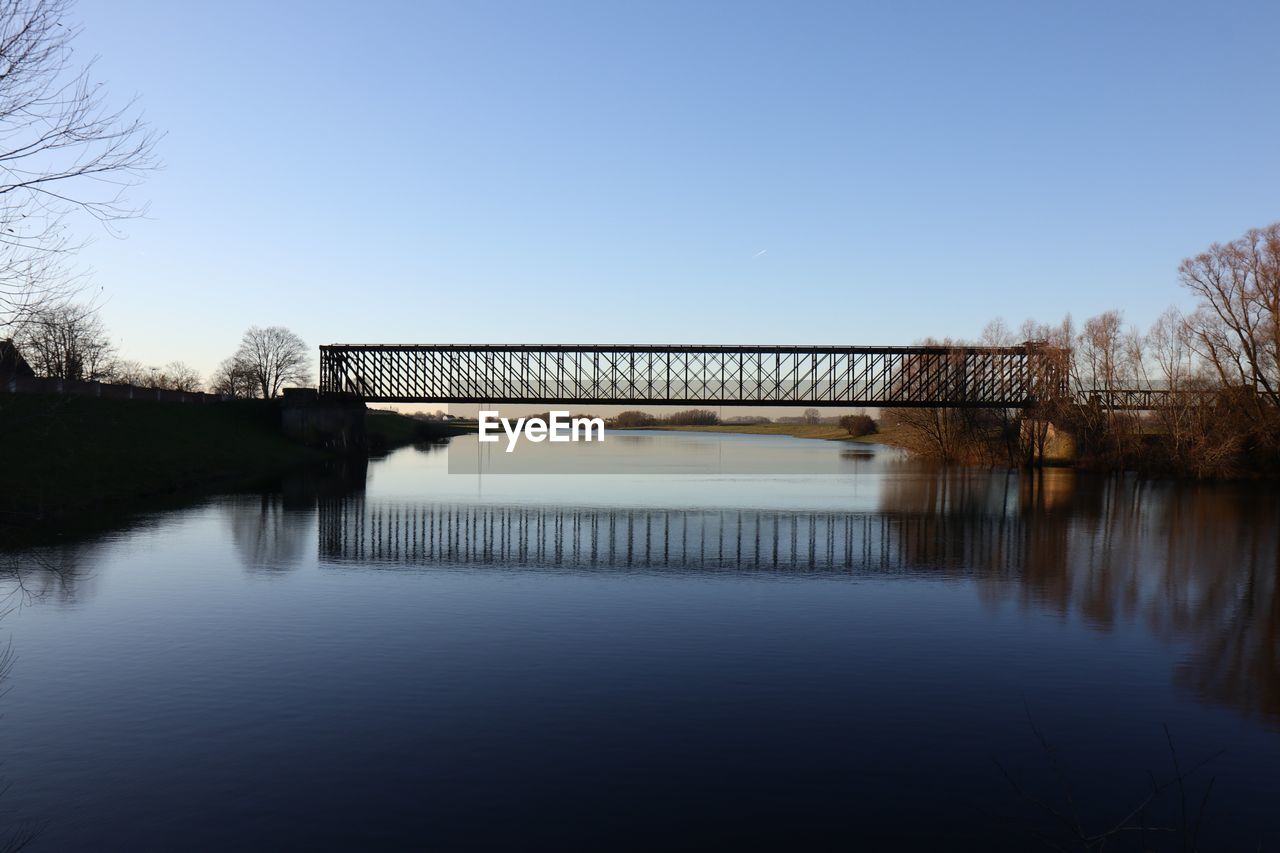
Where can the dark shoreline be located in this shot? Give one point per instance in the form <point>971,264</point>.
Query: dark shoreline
<point>76,464</point>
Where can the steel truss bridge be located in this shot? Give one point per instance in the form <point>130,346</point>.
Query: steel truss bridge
<point>927,376</point>
<point>1142,399</point>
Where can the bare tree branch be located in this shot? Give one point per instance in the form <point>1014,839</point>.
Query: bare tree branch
<point>64,155</point>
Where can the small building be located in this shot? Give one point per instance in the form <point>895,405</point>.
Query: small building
<point>12,364</point>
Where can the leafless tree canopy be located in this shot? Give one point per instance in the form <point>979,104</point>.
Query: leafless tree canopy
<point>234,378</point>
<point>1237,327</point>
<point>64,154</point>
<point>174,376</point>
<point>272,357</point>
<point>67,341</point>
<point>177,376</point>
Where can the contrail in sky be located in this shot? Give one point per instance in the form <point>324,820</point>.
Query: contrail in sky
<point>758,254</point>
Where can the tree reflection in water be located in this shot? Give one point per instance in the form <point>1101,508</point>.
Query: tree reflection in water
<point>270,538</point>
<point>25,578</point>
<point>272,530</point>
<point>58,573</point>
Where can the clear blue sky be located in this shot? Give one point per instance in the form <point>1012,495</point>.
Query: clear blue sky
<point>675,172</point>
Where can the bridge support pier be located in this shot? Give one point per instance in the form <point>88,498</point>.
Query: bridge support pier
<point>334,422</point>
<point>1044,441</point>
<point>1033,435</point>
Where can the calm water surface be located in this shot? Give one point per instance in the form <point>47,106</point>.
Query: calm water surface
<point>890,656</point>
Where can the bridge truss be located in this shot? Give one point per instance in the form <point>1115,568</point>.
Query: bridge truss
<point>995,377</point>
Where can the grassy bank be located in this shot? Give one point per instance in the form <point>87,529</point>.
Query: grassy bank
<point>387,430</point>
<point>826,432</point>
<point>66,454</point>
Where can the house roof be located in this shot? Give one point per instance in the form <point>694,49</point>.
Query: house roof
<point>12,363</point>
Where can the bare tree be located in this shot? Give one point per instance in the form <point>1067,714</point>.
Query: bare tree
<point>1100,353</point>
<point>932,433</point>
<point>63,154</point>
<point>174,376</point>
<point>177,376</point>
<point>1169,349</point>
<point>1237,327</point>
<point>67,341</point>
<point>1201,439</point>
<point>130,372</point>
<point>940,433</point>
<point>273,356</point>
<point>997,334</point>
<point>1107,357</point>
<point>234,378</point>
<point>1165,362</point>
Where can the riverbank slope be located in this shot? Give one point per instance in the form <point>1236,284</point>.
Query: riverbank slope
<point>65,454</point>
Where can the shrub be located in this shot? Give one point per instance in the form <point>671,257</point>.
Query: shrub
<point>859,425</point>
<point>632,418</point>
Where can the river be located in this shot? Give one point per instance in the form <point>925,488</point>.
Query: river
<point>853,650</point>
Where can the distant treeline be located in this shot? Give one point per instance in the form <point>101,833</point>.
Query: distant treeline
<point>690,417</point>
<point>855,425</point>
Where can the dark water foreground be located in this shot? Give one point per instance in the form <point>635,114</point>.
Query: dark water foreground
<point>893,657</point>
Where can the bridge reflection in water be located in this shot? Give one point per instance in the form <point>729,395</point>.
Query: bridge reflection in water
<point>1197,566</point>
<point>657,539</point>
